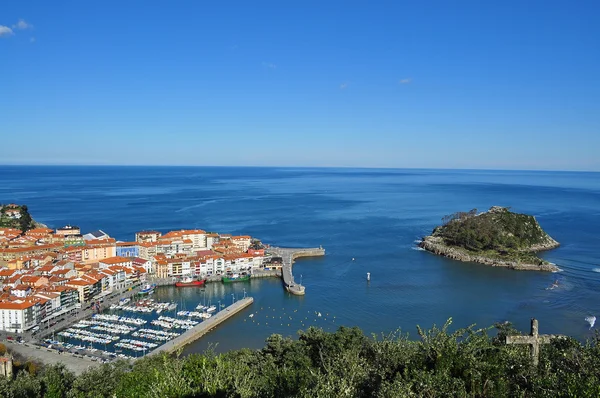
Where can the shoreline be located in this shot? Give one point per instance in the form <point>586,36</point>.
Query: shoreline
<point>435,245</point>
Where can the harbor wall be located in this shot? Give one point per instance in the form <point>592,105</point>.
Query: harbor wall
<point>308,253</point>
<point>203,327</point>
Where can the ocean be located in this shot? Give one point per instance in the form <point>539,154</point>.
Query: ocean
<point>368,220</point>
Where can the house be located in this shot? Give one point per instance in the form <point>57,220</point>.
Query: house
<point>65,273</point>
<point>27,251</point>
<point>87,288</point>
<point>115,277</point>
<point>147,236</point>
<point>96,235</point>
<point>128,249</point>
<point>243,242</point>
<point>117,260</point>
<point>148,250</point>
<point>52,304</point>
<point>211,239</point>
<point>68,230</point>
<point>13,213</point>
<point>145,264</point>
<point>19,315</point>
<point>73,240</point>
<point>96,250</point>
<point>40,233</point>
<point>34,281</point>
<point>21,290</point>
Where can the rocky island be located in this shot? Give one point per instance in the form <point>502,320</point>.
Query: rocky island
<point>497,237</point>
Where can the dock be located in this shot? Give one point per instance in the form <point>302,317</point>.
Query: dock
<point>203,327</point>
<point>288,256</point>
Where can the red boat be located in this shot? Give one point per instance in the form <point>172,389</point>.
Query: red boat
<point>190,282</point>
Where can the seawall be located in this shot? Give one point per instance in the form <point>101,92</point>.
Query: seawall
<point>289,255</point>
<point>203,327</point>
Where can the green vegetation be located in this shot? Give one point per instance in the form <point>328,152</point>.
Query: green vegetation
<point>24,223</point>
<point>495,233</point>
<point>464,363</point>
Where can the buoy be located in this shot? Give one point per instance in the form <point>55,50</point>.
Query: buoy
<point>352,258</point>
<point>368,276</point>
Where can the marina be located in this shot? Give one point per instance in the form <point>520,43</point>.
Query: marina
<point>135,327</point>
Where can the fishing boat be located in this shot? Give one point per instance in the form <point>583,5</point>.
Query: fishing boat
<point>187,281</point>
<point>235,278</point>
<point>147,289</point>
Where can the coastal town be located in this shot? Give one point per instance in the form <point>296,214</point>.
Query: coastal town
<point>46,273</point>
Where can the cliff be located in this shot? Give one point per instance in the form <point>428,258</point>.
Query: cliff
<point>497,237</point>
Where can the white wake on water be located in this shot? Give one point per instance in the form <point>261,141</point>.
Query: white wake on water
<point>596,270</point>
<point>591,320</point>
<point>418,248</point>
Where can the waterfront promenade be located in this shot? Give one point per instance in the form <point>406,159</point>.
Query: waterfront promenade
<point>203,327</point>
<point>288,256</point>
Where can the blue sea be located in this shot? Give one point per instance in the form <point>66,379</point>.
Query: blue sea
<point>368,220</point>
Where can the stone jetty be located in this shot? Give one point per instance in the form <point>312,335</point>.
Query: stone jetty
<point>288,256</point>
<point>203,327</point>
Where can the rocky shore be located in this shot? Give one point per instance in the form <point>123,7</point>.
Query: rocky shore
<point>437,246</point>
<point>497,237</point>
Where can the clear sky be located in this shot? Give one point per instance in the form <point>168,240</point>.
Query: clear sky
<point>434,84</point>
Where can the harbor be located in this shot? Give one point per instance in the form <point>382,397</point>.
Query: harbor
<point>137,325</point>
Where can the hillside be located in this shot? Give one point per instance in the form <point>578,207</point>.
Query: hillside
<point>16,216</point>
<point>497,237</point>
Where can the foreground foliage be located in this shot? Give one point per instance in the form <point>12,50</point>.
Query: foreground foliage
<point>464,363</point>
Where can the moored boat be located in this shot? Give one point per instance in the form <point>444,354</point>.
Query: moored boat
<point>147,289</point>
<point>185,282</point>
<point>235,278</point>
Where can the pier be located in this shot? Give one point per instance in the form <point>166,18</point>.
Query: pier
<point>289,255</point>
<point>203,327</point>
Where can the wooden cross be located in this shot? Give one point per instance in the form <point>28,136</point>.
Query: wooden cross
<point>534,339</point>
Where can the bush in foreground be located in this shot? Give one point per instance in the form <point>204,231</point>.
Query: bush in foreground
<point>465,363</point>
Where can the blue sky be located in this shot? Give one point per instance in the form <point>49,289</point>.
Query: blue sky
<point>448,84</point>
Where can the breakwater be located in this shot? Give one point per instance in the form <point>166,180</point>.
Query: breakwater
<point>288,256</point>
<point>203,327</point>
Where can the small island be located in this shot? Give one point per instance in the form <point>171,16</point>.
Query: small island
<point>497,237</point>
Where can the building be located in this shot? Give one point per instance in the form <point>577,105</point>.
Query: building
<point>148,250</point>
<point>96,250</point>
<point>87,288</point>
<point>73,240</point>
<point>145,264</point>
<point>96,235</point>
<point>28,251</point>
<point>147,236</point>
<point>128,249</point>
<point>68,230</point>
<point>19,315</point>
<point>117,260</point>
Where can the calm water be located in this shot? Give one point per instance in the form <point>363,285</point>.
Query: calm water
<point>371,215</point>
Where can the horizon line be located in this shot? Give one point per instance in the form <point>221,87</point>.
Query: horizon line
<point>294,167</point>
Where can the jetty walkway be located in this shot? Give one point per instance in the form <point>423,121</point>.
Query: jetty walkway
<point>203,327</point>
<point>288,256</point>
